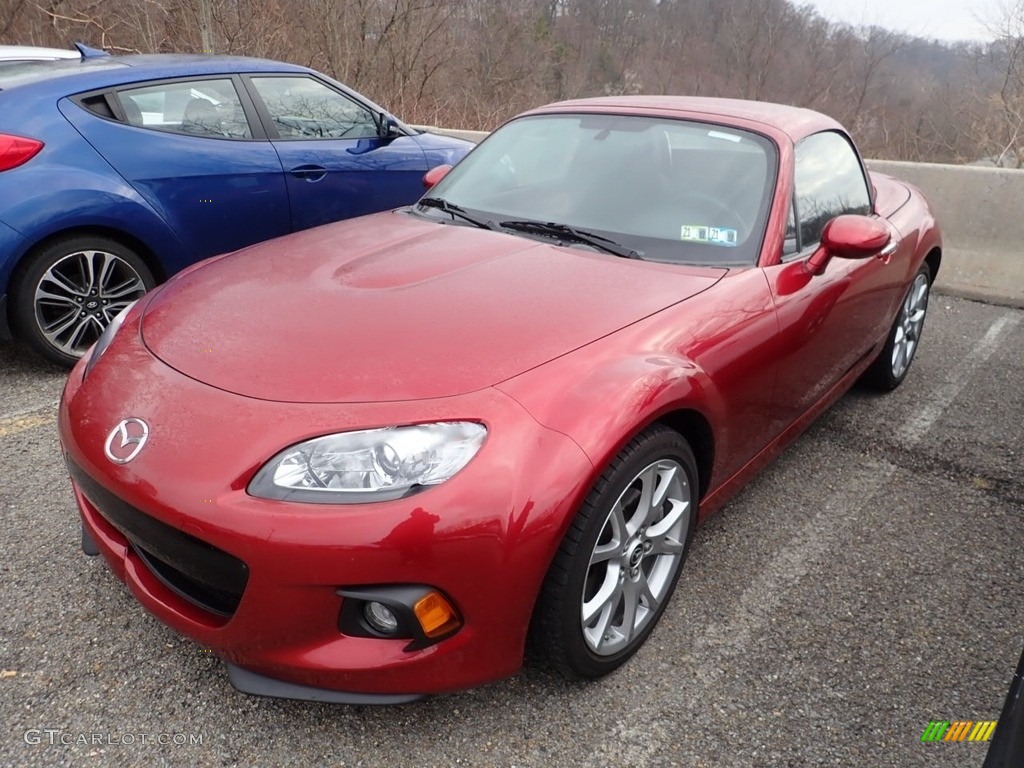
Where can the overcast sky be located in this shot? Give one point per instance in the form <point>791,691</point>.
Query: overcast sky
<point>941,19</point>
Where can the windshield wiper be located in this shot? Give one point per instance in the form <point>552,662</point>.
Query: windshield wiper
<point>455,211</point>
<point>566,232</point>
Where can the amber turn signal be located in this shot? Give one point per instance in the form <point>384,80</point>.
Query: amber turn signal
<point>436,615</point>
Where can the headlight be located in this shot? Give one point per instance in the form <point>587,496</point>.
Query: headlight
<point>106,337</point>
<point>370,465</point>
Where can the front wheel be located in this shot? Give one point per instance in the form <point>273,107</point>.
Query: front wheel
<point>619,562</point>
<point>893,362</point>
<point>70,290</point>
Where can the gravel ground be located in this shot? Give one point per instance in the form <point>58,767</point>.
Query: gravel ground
<point>869,581</point>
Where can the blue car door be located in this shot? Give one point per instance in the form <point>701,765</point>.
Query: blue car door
<point>189,148</point>
<point>336,165</point>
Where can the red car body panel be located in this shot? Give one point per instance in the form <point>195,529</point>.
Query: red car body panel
<point>389,320</point>
<point>474,539</point>
<point>388,303</point>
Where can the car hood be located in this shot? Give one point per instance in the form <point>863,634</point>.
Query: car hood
<point>394,307</point>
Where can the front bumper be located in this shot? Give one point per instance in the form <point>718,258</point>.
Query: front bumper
<point>485,538</point>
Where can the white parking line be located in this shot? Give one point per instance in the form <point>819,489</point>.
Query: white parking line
<point>759,603</point>
<point>919,424</point>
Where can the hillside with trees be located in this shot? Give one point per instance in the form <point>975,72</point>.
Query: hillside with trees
<point>474,63</point>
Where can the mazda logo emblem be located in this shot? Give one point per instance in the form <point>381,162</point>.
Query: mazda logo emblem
<point>126,440</point>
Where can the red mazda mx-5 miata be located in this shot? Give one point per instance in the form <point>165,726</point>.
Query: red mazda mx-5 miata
<point>372,460</point>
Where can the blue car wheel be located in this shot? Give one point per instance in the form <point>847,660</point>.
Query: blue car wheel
<point>70,290</point>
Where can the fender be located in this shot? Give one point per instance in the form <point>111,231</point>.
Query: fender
<point>76,200</point>
<point>620,398</point>
<point>718,361</point>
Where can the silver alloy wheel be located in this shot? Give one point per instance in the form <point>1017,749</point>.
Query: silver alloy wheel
<point>909,325</point>
<point>637,554</point>
<point>80,294</point>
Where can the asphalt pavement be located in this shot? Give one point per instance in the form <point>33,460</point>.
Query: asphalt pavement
<point>868,582</point>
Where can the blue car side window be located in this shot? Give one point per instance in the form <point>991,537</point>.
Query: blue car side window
<point>304,108</point>
<point>209,108</point>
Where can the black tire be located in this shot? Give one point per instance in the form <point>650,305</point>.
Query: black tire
<point>68,290</point>
<point>559,632</point>
<point>891,366</point>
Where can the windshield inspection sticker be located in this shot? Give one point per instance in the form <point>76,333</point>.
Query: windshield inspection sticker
<point>694,233</point>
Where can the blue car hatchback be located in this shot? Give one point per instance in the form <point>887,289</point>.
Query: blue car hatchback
<point>118,171</point>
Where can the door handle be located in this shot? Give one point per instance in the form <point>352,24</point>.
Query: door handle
<point>308,172</point>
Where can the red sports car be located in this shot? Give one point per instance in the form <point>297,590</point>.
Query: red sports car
<point>370,461</point>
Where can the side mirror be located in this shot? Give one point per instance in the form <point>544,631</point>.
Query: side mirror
<point>849,237</point>
<point>387,126</point>
<point>434,175</point>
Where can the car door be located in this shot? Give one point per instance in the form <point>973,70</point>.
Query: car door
<point>189,147</point>
<point>828,323</point>
<point>335,161</point>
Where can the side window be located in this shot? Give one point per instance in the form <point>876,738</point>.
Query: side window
<point>829,181</point>
<point>208,108</point>
<point>304,108</point>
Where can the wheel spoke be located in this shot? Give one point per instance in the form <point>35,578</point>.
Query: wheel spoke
<point>664,479</point>
<point>79,334</point>
<point>676,511</point>
<point>647,597</point>
<point>88,265</point>
<point>613,547</point>
<point>57,326</point>
<point>125,288</point>
<point>899,355</point>
<point>648,479</point>
<point>55,299</point>
<point>63,283</point>
<point>598,634</point>
<point>609,592</point>
<point>630,604</point>
<point>605,552</point>
<point>107,269</point>
<point>666,545</point>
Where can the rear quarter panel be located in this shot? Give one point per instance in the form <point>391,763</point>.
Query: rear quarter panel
<point>69,186</point>
<point>907,209</point>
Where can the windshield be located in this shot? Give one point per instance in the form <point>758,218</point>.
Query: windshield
<point>669,190</point>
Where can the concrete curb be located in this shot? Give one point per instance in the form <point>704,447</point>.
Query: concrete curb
<point>980,211</point>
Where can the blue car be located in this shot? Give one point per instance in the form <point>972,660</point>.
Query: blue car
<point>118,171</point>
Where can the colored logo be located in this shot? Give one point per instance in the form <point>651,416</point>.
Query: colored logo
<point>959,730</point>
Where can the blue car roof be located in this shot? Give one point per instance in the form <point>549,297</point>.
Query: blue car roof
<point>71,76</point>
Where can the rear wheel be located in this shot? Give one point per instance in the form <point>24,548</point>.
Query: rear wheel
<point>619,562</point>
<point>893,362</point>
<point>69,292</point>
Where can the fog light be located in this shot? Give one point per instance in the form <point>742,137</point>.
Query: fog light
<point>381,618</point>
<point>435,615</point>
